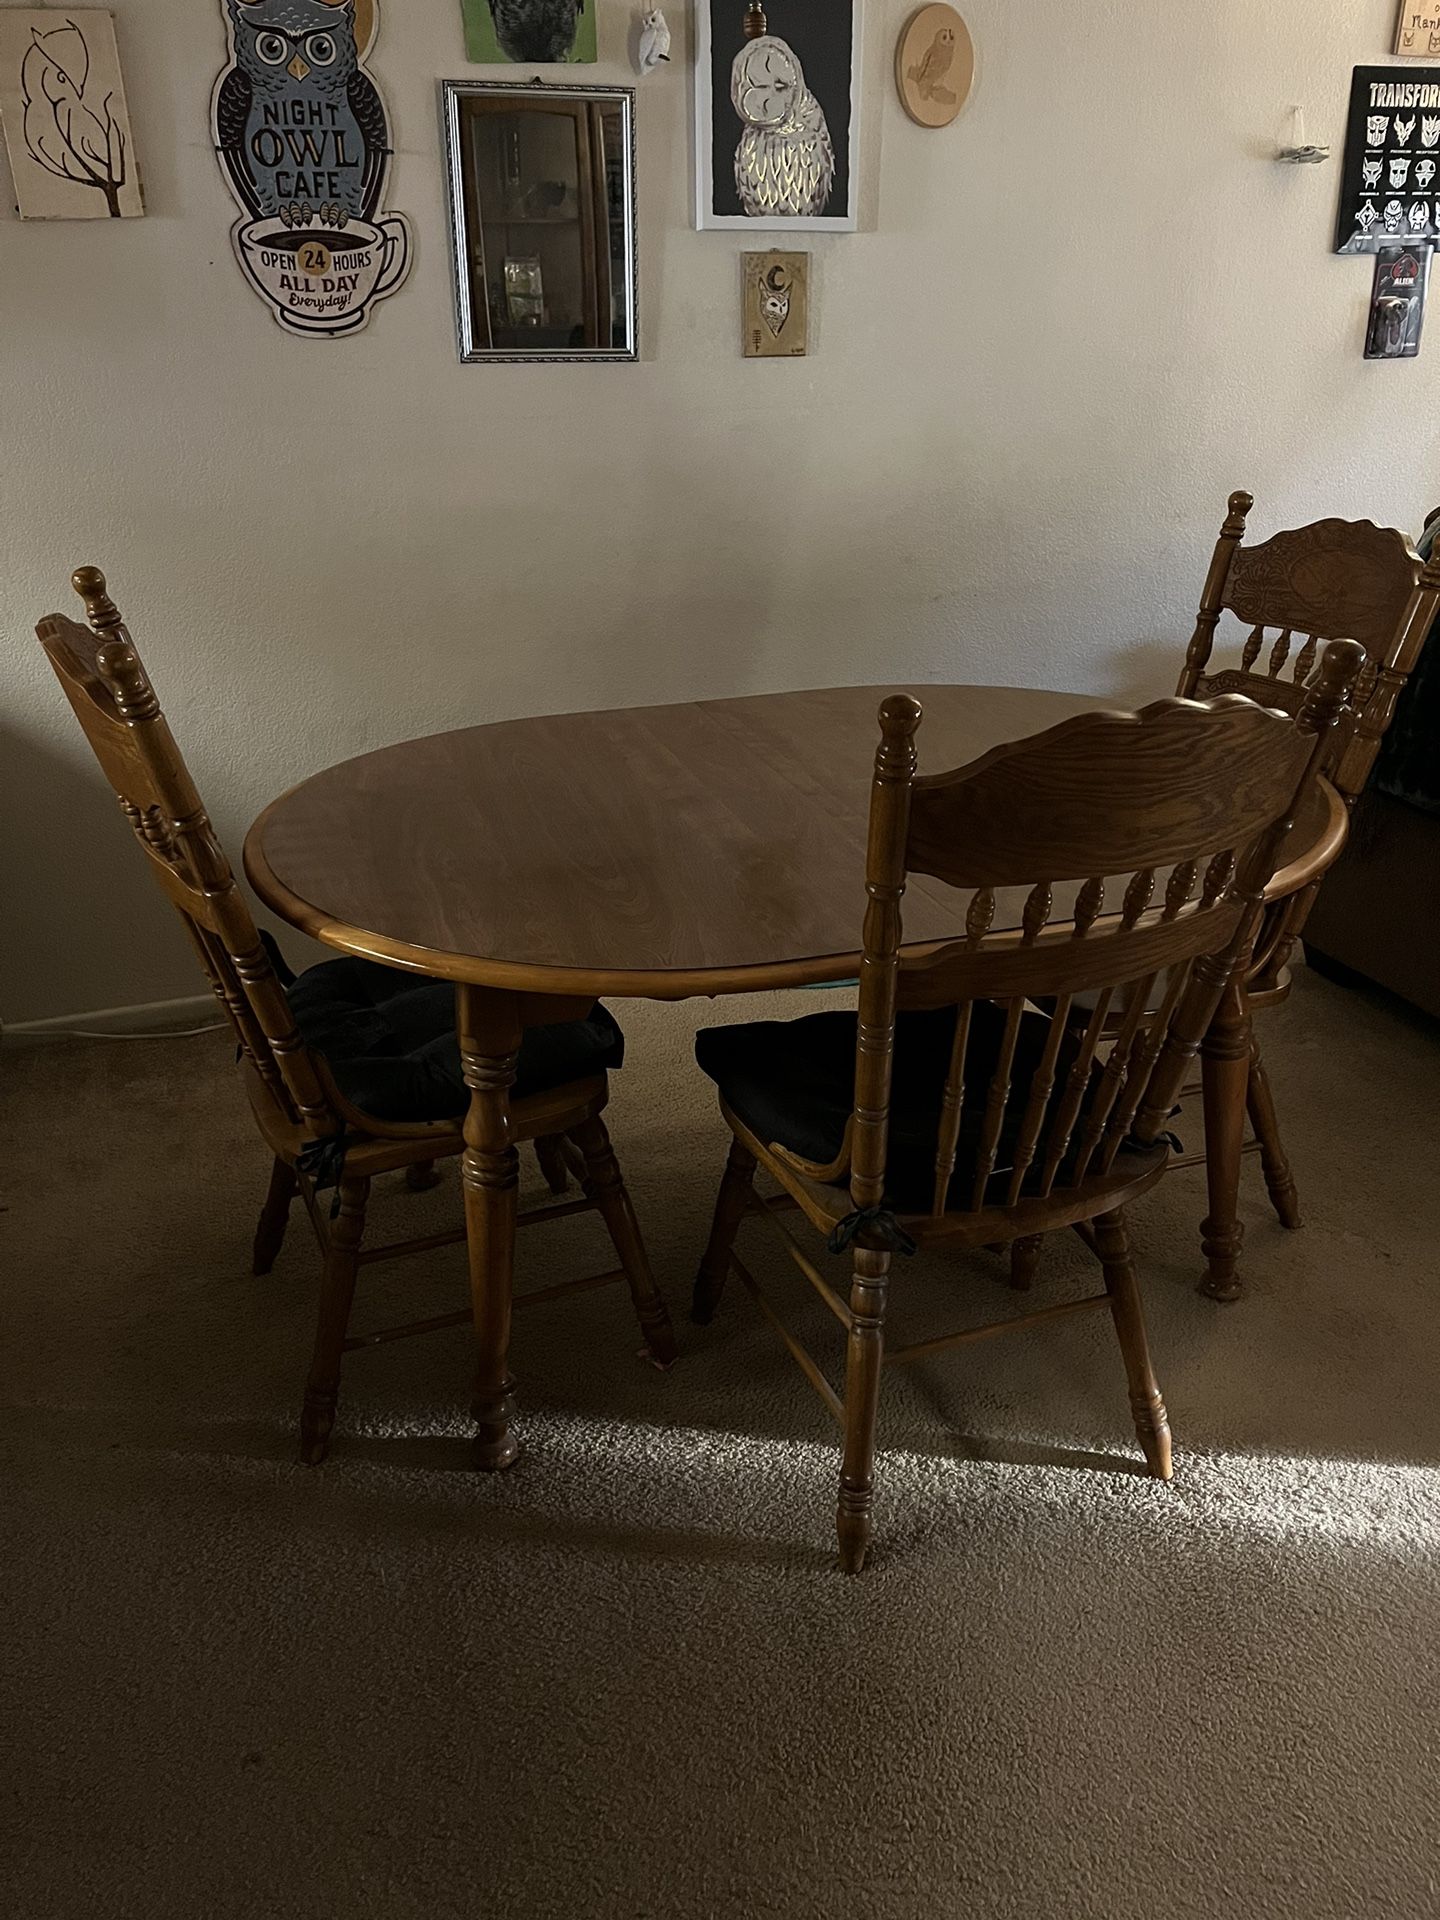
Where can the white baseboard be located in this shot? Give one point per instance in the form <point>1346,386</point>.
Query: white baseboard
<point>152,1016</point>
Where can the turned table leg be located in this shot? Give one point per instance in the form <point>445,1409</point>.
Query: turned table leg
<point>489,1050</point>
<point>1225,1078</point>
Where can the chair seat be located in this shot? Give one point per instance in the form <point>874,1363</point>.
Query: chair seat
<point>390,1043</point>
<point>792,1082</point>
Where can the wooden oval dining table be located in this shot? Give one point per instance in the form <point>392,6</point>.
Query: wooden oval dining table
<point>705,847</point>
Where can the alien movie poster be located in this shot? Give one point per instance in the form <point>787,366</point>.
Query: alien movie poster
<point>1390,184</point>
<point>303,140</point>
<point>776,114</point>
<point>1397,303</point>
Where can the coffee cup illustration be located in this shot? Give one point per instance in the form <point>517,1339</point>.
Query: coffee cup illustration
<point>319,280</point>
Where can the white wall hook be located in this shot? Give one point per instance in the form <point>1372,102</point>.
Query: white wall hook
<point>1298,152</point>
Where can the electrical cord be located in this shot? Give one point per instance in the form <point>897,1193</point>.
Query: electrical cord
<point>157,1033</point>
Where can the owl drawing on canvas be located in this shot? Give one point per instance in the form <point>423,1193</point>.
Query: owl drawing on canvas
<point>929,72</point>
<point>785,163</point>
<point>300,128</point>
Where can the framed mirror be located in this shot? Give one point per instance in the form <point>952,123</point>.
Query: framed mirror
<point>542,212</point>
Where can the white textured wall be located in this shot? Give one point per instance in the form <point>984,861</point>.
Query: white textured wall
<point>1074,321</point>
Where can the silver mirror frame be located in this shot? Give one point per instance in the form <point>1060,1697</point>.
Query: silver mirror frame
<point>452,93</point>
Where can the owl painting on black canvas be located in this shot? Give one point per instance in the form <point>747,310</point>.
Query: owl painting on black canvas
<point>303,138</point>
<point>784,161</point>
<point>776,113</point>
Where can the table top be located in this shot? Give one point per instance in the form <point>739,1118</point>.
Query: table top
<point>714,846</point>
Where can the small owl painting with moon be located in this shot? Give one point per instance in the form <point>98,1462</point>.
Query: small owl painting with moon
<point>775,305</point>
<point>776,131</point>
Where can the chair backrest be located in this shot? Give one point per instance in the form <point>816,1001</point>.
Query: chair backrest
<point>1331,580</point>
<point>104,681</point>
<point>1174,817</point>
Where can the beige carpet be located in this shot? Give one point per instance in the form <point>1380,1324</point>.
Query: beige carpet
<point>624,1680</point>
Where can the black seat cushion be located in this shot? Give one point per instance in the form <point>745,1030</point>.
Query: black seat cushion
<point>793,1083</point>
<point>389,1040</point>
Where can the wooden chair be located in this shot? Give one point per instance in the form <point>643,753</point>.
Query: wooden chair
<point>950,1113</point>
<point>1330,580</point>
<point>318,1135</point>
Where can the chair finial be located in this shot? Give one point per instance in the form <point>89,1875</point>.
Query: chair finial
<point>1331,684</point>
<point>900,714</point>
<point>755,24</point>
<point>100,610</point>
<point>895,757</point>
<point>115,658</point>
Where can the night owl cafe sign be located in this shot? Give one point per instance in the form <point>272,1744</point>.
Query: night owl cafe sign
<point>303,141</point>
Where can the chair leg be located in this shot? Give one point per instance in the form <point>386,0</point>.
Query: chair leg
<point>735,1191</point>
<point>274,1216</point>
<point>864,1353</point>
<point>605,1187</point>
<point>337,1291</point>
<point>1225,1063</point>
<point>1260,1104</point>
<point>421,1175</point>
<point>549,1151</point>
<point>1152,1424</point>
<point>1025,1260</point>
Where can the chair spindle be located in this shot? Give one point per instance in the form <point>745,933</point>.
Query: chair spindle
<point>1178,888</point>
<point>998,1100</point>
<point>1087,906</point>
<point>1076,1082</point>
<point>1041,1088</point>
<point>1137,896</point>
<point>1279,654</point>
<point>950,1108</point>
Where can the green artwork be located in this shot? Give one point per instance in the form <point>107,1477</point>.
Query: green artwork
<point>528,32</point>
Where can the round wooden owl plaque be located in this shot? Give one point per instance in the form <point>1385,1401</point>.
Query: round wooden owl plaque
<point>934,66</point>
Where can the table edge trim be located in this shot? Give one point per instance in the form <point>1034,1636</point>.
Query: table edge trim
<point>517,976</point>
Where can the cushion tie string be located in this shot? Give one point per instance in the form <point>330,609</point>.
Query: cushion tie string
<point>1170,1140</point>
<point>880,1226</point>
<point>280,966</point>
<point>323,1164</point>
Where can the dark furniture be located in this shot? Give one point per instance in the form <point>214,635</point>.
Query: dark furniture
<point>655,852</point>
<point>1283,597</point>
<point>1365,920</point>
<point>354,1071</point>
<point>950,1112</point>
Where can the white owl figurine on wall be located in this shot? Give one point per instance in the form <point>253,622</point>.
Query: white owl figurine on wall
<point>654,40</point>
<point>785,163</point>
